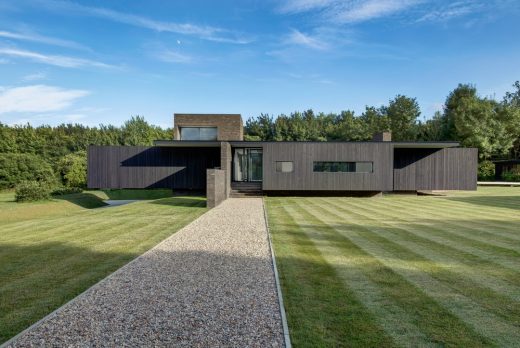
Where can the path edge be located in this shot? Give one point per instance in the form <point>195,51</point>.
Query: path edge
<point>287,337</point>
<point>12,340</point>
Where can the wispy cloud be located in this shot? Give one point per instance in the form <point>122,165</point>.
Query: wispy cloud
<point>171,56</point>
<point>38,98</point>
<point>35,77</point>
<point>348,11</point>
<point>33,37</point>
<point>209,33</point>
<point>296,37</point>
<point>453,10</point>
<point>56,60</point>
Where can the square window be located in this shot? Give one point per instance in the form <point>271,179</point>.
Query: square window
<point>284,166</point>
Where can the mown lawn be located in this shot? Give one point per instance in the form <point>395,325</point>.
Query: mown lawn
<point>400,270</point>
<point>52,251</point>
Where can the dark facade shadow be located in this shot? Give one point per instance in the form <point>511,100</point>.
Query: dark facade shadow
<point>85,200</point>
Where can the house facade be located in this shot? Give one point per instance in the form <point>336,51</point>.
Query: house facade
<point>209,153</point>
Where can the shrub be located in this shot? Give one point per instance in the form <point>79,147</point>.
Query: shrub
<point>73,169</point>
<point>513,175</point>
<point>18,167</point>
<point>28,191</point>
<point>486,170</point>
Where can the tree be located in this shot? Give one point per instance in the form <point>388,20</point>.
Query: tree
<point>480,122</point>
<point>374,120</point>
<point>73,169</point>
<point>18,167</point>
<point>402,113</point>
<point>137,131</point>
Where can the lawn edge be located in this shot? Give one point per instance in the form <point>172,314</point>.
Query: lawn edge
<point>285,327</point>
<point>52,314</point>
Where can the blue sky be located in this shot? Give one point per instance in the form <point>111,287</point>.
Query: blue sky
<point>95,62</point>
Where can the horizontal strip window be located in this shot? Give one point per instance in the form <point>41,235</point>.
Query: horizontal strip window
<point>343,167</point>
<point>198,133</point>
<point>284,166</point>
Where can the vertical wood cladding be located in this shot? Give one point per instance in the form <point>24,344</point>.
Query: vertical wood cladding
<point>303,154</point>
<point>150,167</point>
<point>435,169</point>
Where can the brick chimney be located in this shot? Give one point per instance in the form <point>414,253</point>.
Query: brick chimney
<point>382,136</point>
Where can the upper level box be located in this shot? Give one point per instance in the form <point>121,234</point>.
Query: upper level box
<point>208,127</point>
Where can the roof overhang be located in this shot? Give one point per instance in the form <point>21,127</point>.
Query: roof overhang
<point>186,143</point>
<point>424,144</point>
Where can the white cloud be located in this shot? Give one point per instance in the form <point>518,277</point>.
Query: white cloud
<point>348,11</point>
<point>298,38</point>
<point>35,77</point>
<point>453,10</point>
<point>42,39</point>
<point>56,60</point>
<point>297,6</point>
<point>38,98</point>
<point>205,32</point>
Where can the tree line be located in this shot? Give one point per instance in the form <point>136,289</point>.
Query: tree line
<point>475,121</point>
<point>58,154</point>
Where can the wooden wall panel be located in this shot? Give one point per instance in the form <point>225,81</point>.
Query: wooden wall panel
<point>303,154</point>
<point>435,169</point>
<point>150,167</point>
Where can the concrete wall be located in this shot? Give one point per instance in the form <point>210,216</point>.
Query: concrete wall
<point>225,164</point>
<point>215,187</point>
<point>230,126</point>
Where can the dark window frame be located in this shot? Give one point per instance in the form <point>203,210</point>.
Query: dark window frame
<point>340,167</point>
<point>198,128</point>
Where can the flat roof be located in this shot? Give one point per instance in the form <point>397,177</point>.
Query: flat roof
<point>395,144</point>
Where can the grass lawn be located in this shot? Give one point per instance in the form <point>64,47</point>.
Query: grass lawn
<point>400,270</point>
<point>52,251</point>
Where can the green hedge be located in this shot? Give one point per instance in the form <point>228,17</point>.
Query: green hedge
<point>19,167</point>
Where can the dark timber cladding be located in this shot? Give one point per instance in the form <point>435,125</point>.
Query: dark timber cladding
<point>435,169</point>
<point>150,167</point>
<point>304,154</point>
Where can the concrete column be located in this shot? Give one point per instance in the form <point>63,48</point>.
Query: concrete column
<point>225,164</point>
<point>215,187</point>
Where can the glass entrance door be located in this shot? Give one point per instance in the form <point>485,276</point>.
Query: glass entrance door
<point>247,164</point>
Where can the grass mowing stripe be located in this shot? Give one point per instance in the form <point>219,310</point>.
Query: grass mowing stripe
<point>435,321</point>
<point>466,262</point>
<point>396,321</point>
<point>487,324</point>
<point>321,312</point>
<point>480,223</point>
<point>480,229</point>
<point>438,232</point>
<point>495,302</point>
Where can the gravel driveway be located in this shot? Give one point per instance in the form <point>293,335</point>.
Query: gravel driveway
<point>210,284</point>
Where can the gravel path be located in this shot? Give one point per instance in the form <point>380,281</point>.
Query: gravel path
<point>210,284</point>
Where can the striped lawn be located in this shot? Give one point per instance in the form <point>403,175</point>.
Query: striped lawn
<point>52,251</point>
<point>400,270</point>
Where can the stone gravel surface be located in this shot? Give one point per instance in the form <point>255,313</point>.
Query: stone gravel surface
<point>210,284</point>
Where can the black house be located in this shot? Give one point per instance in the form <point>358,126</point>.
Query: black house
<point>209,154</point>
